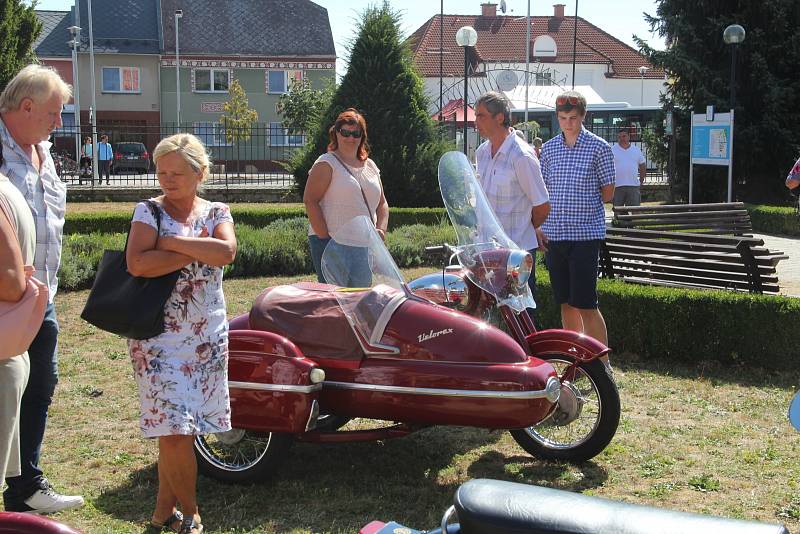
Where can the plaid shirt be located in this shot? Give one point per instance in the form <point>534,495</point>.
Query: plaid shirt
<point>46,195</point>
<point>573,177</point>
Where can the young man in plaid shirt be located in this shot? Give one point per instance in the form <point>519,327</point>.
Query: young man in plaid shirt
<point>578,170</point>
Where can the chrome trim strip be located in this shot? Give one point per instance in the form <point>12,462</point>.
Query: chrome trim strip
<point>448,514</point>
<point>274,387</point>
<point>470,393</point>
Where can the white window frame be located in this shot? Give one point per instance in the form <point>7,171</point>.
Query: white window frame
<point>545,46</point>
<point>119,70</point>
<point>286,80</point>
<point>543,79</point>
<point>217,137</point>
<point>211,72</point>
<point>285,139</point>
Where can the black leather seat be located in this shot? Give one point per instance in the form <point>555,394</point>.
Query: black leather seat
<point>493,506</point>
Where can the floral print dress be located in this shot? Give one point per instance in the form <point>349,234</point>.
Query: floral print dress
<point>182,374</point>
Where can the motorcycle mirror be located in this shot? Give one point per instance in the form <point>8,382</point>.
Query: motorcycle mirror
<point>794,411</point>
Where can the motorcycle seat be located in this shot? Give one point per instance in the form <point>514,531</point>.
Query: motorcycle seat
<point>484,505</point>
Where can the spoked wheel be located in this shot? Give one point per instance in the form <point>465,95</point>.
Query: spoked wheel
<point>240,455</point>
<point>585,418</point>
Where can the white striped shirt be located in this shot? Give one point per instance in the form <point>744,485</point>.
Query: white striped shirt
<point>46,196</point>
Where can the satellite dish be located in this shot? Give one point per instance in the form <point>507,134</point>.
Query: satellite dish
<point>507,80</point>
<point>503,6</point>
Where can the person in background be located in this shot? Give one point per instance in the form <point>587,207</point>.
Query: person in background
<point>629,170</point>
<point>105,156</point>
<point>537,146</point>
<point>342,184</point>
<point>510,175</point>
<point>578,170</point>
<point>182,374</point>
<point>30,109</point>
<point>793,179</point>
<point>86,155</point>
<point>16,252</point>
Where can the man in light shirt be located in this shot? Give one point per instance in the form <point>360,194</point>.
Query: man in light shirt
<point>510,175</point>
<point>30,109</point>
<point>629,170</point>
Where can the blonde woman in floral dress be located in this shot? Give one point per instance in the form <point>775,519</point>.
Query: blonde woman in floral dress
<point>182,373</point>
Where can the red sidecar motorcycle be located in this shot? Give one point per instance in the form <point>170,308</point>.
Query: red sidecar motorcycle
<point>309,357</point>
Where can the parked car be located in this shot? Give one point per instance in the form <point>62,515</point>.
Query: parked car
<point>131,156</point>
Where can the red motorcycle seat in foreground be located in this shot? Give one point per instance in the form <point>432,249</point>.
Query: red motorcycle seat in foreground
<point>18,523</point>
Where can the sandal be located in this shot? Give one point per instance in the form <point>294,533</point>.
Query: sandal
<point>189,526</point>
<point>176,517</point>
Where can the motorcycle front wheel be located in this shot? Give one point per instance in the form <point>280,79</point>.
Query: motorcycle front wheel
<point>585,419</point>
<point>241,456</point>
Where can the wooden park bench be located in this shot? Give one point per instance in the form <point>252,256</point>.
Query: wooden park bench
<point>724,218</point>
<point>689,259</point>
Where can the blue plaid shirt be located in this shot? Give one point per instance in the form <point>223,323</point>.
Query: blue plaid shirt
<point>573,177</point>
<point>46,195</point>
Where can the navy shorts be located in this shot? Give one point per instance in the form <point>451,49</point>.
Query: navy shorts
<point>573,272</point>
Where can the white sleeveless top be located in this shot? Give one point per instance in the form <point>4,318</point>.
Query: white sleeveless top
<point>343,200</point>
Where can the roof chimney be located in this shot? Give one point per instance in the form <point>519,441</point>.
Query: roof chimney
<point>489,10</point>
<point>558,10</point>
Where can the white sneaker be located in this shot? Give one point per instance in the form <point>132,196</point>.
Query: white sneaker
<point>47,501</point>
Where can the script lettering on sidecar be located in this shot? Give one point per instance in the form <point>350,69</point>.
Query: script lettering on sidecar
<point>432,334</point>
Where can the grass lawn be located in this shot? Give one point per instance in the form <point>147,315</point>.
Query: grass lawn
<point>705,439</point>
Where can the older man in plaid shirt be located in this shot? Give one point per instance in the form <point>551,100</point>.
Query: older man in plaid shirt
<point>578,170</point>
<point>510,175</point>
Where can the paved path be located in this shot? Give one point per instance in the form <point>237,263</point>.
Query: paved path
<point>788,270</point>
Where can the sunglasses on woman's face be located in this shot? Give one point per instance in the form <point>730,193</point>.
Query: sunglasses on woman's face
<point>350,133</point>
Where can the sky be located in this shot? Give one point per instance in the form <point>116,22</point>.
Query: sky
<point>620,19</point>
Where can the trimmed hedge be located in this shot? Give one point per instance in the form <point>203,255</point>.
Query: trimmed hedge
<point>118,221</point>
<point>774,220</point>
<point>653,322</point>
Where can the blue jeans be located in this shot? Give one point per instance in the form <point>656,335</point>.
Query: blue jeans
<point>350,265</point>
<point>43,354</point>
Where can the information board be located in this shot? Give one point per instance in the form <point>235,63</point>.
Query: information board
<point>711,140</point>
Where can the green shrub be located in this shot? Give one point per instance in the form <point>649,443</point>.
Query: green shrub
<point>774,220</point>
<point>258,217</point>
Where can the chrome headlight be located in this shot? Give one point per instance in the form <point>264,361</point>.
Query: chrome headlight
<point>519,266</point>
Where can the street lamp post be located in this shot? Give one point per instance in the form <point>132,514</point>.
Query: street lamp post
<point>93,109</point>
<point>733,35</point>
<point>642,71</point>
<point>466,37</point>
<point>75,32</point>
<point>178,15</point>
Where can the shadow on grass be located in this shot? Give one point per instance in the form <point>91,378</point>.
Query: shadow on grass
<point>342,487</point>
<point>528,470</point>
<point>708,369</point>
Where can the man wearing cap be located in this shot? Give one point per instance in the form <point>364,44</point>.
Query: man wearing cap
<point>578,170</point>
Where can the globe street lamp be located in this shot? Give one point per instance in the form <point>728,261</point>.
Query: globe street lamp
<point>466,37</point>
<point>733,35</point>
<point>642,71</point>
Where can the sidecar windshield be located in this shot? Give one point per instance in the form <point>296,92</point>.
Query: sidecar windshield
<point>370,286</point>
<point>479,233</point>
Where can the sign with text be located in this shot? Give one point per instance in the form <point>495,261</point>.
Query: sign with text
<point>711,140</point>
<point>212,107</point>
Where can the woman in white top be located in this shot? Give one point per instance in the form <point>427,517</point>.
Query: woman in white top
<point>342,184</point>
<point>16,251</point>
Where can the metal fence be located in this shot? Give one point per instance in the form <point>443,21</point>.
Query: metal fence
<point>257,161</point>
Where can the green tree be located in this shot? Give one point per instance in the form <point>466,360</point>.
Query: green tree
<point>19,28</point>
<point>237,118</point>
<point>382,83</point>
<point>302,107</point>
<point>767,114</point>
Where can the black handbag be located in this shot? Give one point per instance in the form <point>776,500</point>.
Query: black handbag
<point>126,305</point>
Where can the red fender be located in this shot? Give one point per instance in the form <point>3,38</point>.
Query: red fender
<point>581,346</point>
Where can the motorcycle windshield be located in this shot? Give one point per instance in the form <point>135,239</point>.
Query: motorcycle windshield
<point>370,286</point>
<point>479,233</point>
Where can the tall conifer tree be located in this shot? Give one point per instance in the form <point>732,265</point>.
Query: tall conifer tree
<point>19,28</point>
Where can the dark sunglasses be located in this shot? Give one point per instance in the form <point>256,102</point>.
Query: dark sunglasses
<point>350,133</point>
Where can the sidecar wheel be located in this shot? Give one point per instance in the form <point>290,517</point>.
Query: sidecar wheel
<point>585,420</point>
<point>241,456</point>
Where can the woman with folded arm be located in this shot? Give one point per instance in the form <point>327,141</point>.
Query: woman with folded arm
<point>183,373</point>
